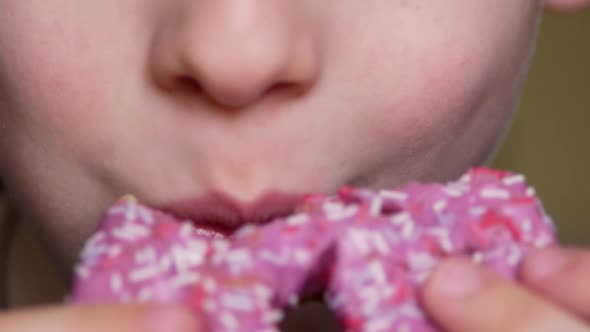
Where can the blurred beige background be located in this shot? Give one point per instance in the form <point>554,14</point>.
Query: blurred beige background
<point>550,137</point>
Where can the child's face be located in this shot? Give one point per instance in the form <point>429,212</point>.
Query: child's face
<point>174,100</point>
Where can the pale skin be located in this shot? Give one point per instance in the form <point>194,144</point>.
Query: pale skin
<point>170,98</point>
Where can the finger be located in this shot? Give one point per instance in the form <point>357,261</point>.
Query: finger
<point>463,297</point>
<point>563,275</point>
<point>114,318</point>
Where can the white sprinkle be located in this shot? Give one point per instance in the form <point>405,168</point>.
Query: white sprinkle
<point>401,218</point>
<point>146,215</point>
<point>330,207</point>
<point>273,316</point>
<point>238,259</point>
<point>82,272</point>
<point>270,256</point>
<point>542,241</point>
<point>466,178</point>
<point>359,238</point>
<point>130,232</point>
<point>302,256</point>
<point>185,279</point>
<point>371,298</point>
<point>376,270</point>
<point>298,219</point>
<point>145,295</point>
<point>366,240</point>
<point>339,212</point>
<point>115,210</point>
<point>220,247</point>
<point>443,236</point>
<point>453,191</point>
<point>116,282</point>
<point>245,231</point>
<point>477,211</point>
<point>380,243</point>
<point>378,324</point>
<point>195,252</point>
<point>229,321</point>
<point>240,302</point>
<point>293,300</point>
<point>395,195</point>
<point>548,221</point>
<point>375,208</point>
<point>494,193</point>
<point>187,229</point>
<point>131,212</point>
<point>530,192</point>
<point>446,245</point>
<point>115,250</point>
<point>93,244</point>
<point>146,255</point>
<point>477,257</point>
<point>209,284</point>
<point>95,239</point>
<point>186,258</point>
<point>421,261</point>
<point>514,179</point>
<point>411,311</point>
<point>178,258</point>
<point>527,225</point>
<point>143,273</point>
<point>165,263</point>
<point>262,291</point>
<point>514,256</point>
<point>407,230</point>
<point>439,205</point>
<point>422,276</point>
<point>93,252</point>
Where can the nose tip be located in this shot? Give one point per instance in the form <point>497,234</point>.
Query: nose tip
<point>238,78</point>
<point>235,52</point>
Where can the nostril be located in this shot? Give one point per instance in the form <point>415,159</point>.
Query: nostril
<point>189,84</point>
<point>288,89</point>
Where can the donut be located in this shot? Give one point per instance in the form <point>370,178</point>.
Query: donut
<point>367,252</point>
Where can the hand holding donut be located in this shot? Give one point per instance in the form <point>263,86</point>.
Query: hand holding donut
<point>554,295</point>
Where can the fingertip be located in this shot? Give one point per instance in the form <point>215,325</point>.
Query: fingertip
<point>545,264</point>
<point>454,278</point>
<point>169,317</point>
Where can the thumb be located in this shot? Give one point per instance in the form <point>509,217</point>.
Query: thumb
<point>100,318</point>
<point>463,297</point>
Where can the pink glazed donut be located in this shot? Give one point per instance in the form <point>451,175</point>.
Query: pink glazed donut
<point>368,253</point>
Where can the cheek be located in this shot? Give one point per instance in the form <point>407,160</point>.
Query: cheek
<point>436,85</point>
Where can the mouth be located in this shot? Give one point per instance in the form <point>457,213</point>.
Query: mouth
<point>217,215</point>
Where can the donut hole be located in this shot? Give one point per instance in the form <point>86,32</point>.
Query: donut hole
<point>312,315</point>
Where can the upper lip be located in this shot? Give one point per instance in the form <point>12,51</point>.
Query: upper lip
<point>225,214</point>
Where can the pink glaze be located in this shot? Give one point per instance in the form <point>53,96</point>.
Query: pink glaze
<point>367,251</point>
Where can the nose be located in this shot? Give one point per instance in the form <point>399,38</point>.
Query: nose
<point>234,51</point>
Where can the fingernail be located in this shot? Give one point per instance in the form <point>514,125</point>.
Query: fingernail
<point>174,318</point>
<point>548,262</point>
<point>458,278</point>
